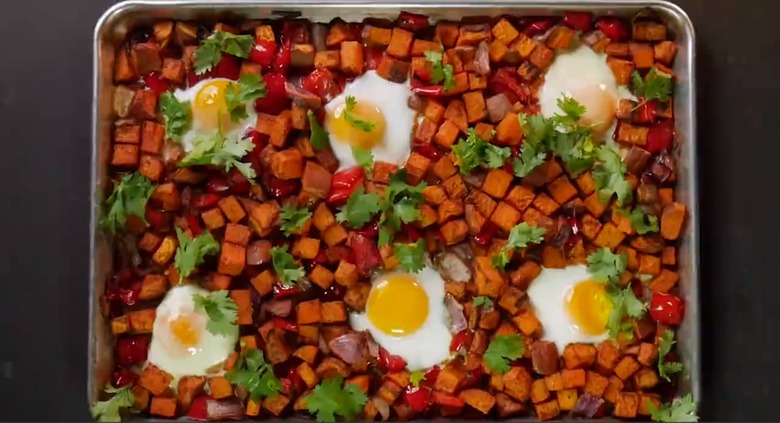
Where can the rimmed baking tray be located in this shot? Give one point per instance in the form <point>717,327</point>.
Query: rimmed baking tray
<point>113,26</point>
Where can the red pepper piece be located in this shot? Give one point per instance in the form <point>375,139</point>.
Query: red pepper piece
<point>344,183</point>
<point>123,287</point>
<point>576,228</point>
<point>472,378</point>
<point>194,224</point>
<point>443,398</point>
<point>263,53</point>
<point>199,408</point>
<point>282,58</point>
<point>239,184</point>
<point>660,136</point>
<point>367,257</point>
<point>285,325</point>
<point>429,151</point>
<point>280,188</point>
<point>132,350</point>
<point>486,234</point>
<point>637,288</point>
<point>417,398</point>
<point>283,291</point>
<point>614,28</point>
<point>155,217</point>
<point>321,83</point>
<point>122,377</point>
<point>369,230</point>
<point>646,112</point>
<point>412,21</point>
<point>334,292</point>
<point>372,57</point>
<point>579,21</point>
<point>538,26</point>
<point>458,340</point>
<point>430,376</point>
<point>423,75</point>
<point>508,82</point>
<point>412,233</point>
<point>205,200</point>
<point>216,185</point>
<point>667,309</point>
<point>155,83</point>
<point>193,78</point>
<point>296,379</point>
<point>228,67</point>
<point>424,90</point>
<point>275,100</point>
<point>389,362</point>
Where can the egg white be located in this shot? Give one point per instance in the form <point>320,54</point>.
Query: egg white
<point>547,294</point>
<point>391,99</point>
<point>580,67</point>
<point>430,344</point>
<point>204,358</point>
<point>237,128</point>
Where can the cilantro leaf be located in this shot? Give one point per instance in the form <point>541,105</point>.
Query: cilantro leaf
<point>411,257</point>
<point>250,87</point>
<point>572,110</point>
<point>363,158</point>
<point>176,114</point>
<point>680,410</point>
<point>666,368</point>
<point>474,152</point>
<point>441,73</point>
<point>129,197</point>
<point>641,222</point>
<point>222,312</point>
<point>191,252</point>
<point>319,138</point>
<point>214,149</point>
<point>355,121</point>
<point>416,377</point>
<point>108,411</point>
<point>655,86</point>
<point>398,205</point>
<point>503,349</point>
<point>624,303</point>
<point>484,302</point>
<point>210,51</point>
<point>293,218</point>
<point>576,148</point>
<point>520,236</point>
<point>385,236</point>
<point>361,207</point>
<point>606,266</point>
<point>285,267</point>
<point>609,176</point>
<point>330,399</point>
<point>254,374</point>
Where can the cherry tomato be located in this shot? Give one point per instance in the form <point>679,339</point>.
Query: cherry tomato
<point>369,230</point>
<point>372,57</point>
<point>390,363</point>
<point>228,67</point>
<point>198,408</point>
<point>429,151</point>
<point>239,184</point>
<point>660,136</point>
<point>430,376</point>
<point>667,309</point>
<point>280,188</point>
<point>283,57</point>
<point>217,184</point>
<point>155,217</point>
<point>344,183</point>
<point>122,377</point>
<point>412,233</point>
<point>579,21</point>
<point>263,53</point>
<point>614,28</point>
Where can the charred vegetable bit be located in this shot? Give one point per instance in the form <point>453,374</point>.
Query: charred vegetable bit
<point>520,236</point>
<point>129,197</point>
<point>609,175</point>
<point>502,350</point>
<point>108,411</point>
<point>250,88</point>
<point>411,257</point>
<point>210,51</point>
<point>363,158</point>
<point>330,399</point>
<point>441,73</point>
<point>220,309</point>
<point>285,267</point>
<point>192,252</point>
<point>606,266</point>
<point>293,218</point>
<point>352,119</point>
<point>255,375</point>
<point>361,207</point>
<point>482,301</point>
<point>666,368</point>
<point>474,152</point>
<point>680,410</point>
<point>319,137</point>
<point>176,114</point>
<point>226,153</point>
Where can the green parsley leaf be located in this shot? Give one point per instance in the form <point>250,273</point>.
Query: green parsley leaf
<point>411,257</point>
<point>666,368</point>
<point>520,236</point>
<point>416,377</point>
<point>285,267</point>
<point>254,374</point>
<point>330,399</point>
<point>214,149</point>
<point>319,138</point>
<point>536,132</point>
<point>440,73</point>
<point>484,302</point>
<point>609,175</point>
<point>624,303</point>
<point>474,152</point>
<point>576,148</point>
<point>606,266</point>
<point>176,114</point>
<point>572,110</point>
<point>222,312</point>
<point>293,218</point>
<point>503,349</point>
<point>361,207</point>
<point>398,205</point>
<point>363,158</point>
<point>191,252</point>
<point>250,87</point>
<point>129,197</point>
<point>680,410</point>
<point>210,51</point>
<point>655,86</point>
<point>641,222</point>
<point>355,121</point>
<point>108,411</point>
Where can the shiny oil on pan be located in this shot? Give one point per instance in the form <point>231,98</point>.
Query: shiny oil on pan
<point>112,27</point>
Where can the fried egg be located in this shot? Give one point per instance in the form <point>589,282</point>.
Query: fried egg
<point>405,314</point>
<point>181,345</point>
<point>210,112</point>
<point>571,306</point>
<point>584,75</point>
<point>382,104</point>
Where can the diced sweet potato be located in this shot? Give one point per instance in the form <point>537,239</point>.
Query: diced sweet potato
<point>220,387</point>
<point>416,165</point>
<point>153,286</point>
<point>276,404</point>
<point>545,204</point>
<point>626,367</point>
<point>626,405</point>
<point>607,355</point>
<point>664,52</point>
<point>357,295</point>
<point>504,32</point>
<point>560,39</point>
<point>609,236</point>
<point>323,217</point>
<point>213,218</point>
<point>614,387</point>
<point>508,131</point>
<point>165,251</point>
<point>315,180</point>
<point>595,384</point>
<point>648,353</point>
<point>307,353</point>
<point>672,220</point>
<point>517,383</point>
<point>527,272</point>
<point>642,55</point>
<point>346,274</point>
<point>142,321</point>
<point>505,216</point>
<point>309,334</point>
<point>450,378</point>
<point>547,410</point>
<point>155,380</point>
<point>527,322</point>
<point>309,312</point>
<point>242,298</point>
<point>646,378</point>
<point>553,258</point>
<point>455,186</point>
<point>621,69</point>
<point>446,33</point>
<point>123,68</point>
<point>335,234</point>
<point>644,403</point>
<point>449,209</point>
<point>120,325</point>
<point>446,134</point>
<point>539,391</point>
<point>352,58</point>
<point>456,113</point>
<point>334,312</point>
<point>497,182</point>
<point>664,282</point>
<point>579,356</point>
<point>163,407</point>
<point>476,110</point>
<point>400,43</point>
<point>573,378</point>
<point>321,276</point>
<point>454,231</point>
<point>125,155</point>
<point>287,164</point>
<point>567,398</point>
<point>232,259</point>
<point>232,209</point>
<point>332,367</point>
<point>144,104</point>
<point>478,399</point>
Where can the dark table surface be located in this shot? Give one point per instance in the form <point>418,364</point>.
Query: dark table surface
<point>45,101</point>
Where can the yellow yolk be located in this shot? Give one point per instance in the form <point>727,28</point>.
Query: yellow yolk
<point>589,306</point>
<point>397,305</point>
<point>599,107</point>
<point>209,110</point>
<point>182,330</point>
<point>346,131</point>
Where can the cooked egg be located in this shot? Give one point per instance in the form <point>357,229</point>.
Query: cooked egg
<point>209,110</point>
<point>584,76</point>
<point>383,106</point>
<point>405,314</point>
<point>181,344</point>
<point>571,306</point>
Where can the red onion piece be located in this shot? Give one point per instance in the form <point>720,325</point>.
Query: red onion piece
<point>482,59</point>
<point>587,406</point>
<point>382,406</point>
<point>457,319</point>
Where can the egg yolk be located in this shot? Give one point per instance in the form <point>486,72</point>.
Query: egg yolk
<point>209,110</point>
<point>589,307</point>
<point>397,305</point>
<point>183,330</point>
<point>600,107</point>
<point>367,134</point>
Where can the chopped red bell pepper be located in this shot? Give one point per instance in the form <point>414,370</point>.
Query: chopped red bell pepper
<point>132,350</point>
<point>576,229</point>
<point>367,257</point>
<point>283,57</point>
<point>321,82</point>
<point>614,28</point>
<point>660,136</point>
<point>239,184</point>
<point>199,408</point>
<point>429,151</point>
<point>217,185</point>
<point>430,376</point>
<point>538,26</point>
<point>280,188</point>
<point>155,217</point>
<point>667,309</point>
<point>472,377</point>
<point>458,340</point>
<point>486,234</point>
<point>646,112</point>
<point>417,398</point>
<point>122,377</point>
<point>193,78</point>
<point>123,287</point>
<point>296,379</point>
<point>389,362</point>
<point>285,325</point>
<point>155,83</point>
<point>283,291</point>
<point>443,398</point>
<point>344,183</point>
<point>263,53</point>
<point>412,233</point>
<point>275,100</point>
<point>508,82</point>
<point>194,224</point>
<point>205,200</point>
<point>372,57</point>
<point>412,21</point>
<point>369,230</point>
<point>228,67</point>
<point>579,21</point>
<point>334,292</point>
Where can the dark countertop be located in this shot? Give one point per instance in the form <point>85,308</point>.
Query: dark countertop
<point>45,95</point>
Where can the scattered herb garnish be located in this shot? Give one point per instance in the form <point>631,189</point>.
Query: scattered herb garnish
<point>285,267</point>
<point>176,114</point>
<point>624,303</point>
<point>222,312</point>
<point>293,218</point>
<point>210,51</point>
<point>484,302</point>
<point>655,86</point>
<point>416,377</point>
<point>226,153</point>
<point>474,152</point>
<point>319,138</point>
<point>129,197</point>
<point>398,204</point>
<point>606,266</point>
<point>363,158</point>
<point>680,410</point>
<point>355,121</point>
<point>666,368</point>
<point>250,87</point>
<point>609,176</point>
<point>108,411</point>
<point>502,350</point>
<point>330,399</point>
<point>360,208</point>
<point>191,252</point>
<point>641,222</point>
<point>440,73</point>
<point>254,374</point>
<point>411,257</point>
<point>520,236</point>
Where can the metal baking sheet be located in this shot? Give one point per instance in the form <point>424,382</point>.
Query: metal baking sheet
<point>112,27</point>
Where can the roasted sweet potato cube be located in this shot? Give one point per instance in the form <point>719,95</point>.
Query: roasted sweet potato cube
<point>152,167</point>
<point>510,301</point>
<point>476,110</point>
<point>504,32</point>
<point>433,110</point>
<point>242,298</point>
<point>607,355</point>
<point>309,334</point>
<point>334,312</point>
<point>152,137</point>
<point>346,274</point>
<point>672,219</point>
<point>323,217</point>
<point>567,398</point>
<point>553,257</point>
<point>539,391</point>
<point>642,55</point>
<point>591,227</point>
<point>125,155</point>
<point>357,295</point>
<point>508,131</point>
<point>163,407</point>
<point>445,169</point>
<point>329,59</point>
<point>573,378</point>
<point>434,195</point>
<point>144,104</point>
<point>120,325</point>
<point>561,190</point>
<point>232,208</point>
<point>648,31</point>
<point>213,218</point>
<point>595,384</point>
<point>232,259</point>
<point>446,135</point>
<point>424,131</point>
<point>400,43</point>
<point>621,69</point>
<point>308,375</point>
<point>307,353</point>
<point>649,265</point>
<point>664,282</point>
<point>155,380</point>
<point>609,236</point>
<point>389,391</point>
<point>335,234</point>
<point>664,52</point>
<point>276,404</point>
<point>165,251</point>
<point>237,234</point>
<point>376,37</point>
<point>123,67</point>
<point>153,286</point>
<point>416,165</point>
<point>541,57</point>
<point>497,182</point>
<point>455,187</point>
<point>644,403</point>
<point>505,216</point>
<point>309,312</point>
<point>321,276</point>
<point>142,321</point>
<point>263,282</point>
<point>527,272</point>
<point>594,205</point>
<point>450,378</point>
<point>474,219</point>
<point>287,164</point>
<point>456,112</point>
<point>560,39</point>
<point>648,354</point>
<point>545,204</point>
<point>454,231</point>
<point>614,387</point>
<point>478,399</point>
<point>449,209</point>
<point>527,322</point>
<point>220,387</point>
<point>626,405</point>
<point>392,69</point>
<point>547,410</point>
<point>646,378</point>
<point>145,57</point>
<point>626,367</point>
<point>579,356</point>
<point>520,197</point>
<point>497,52</point>
<point>351,58</point>
<point>127,134</point>
<point>446,33</point>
